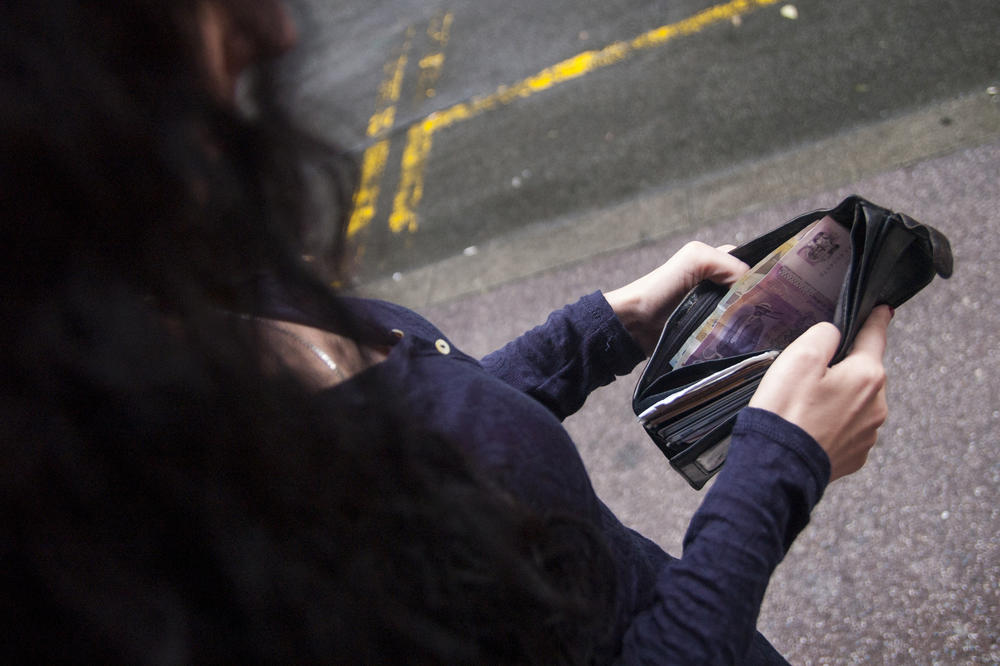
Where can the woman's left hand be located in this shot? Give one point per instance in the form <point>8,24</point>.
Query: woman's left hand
<point>644,305</point>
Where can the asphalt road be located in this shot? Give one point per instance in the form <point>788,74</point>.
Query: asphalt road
<point>476,137</point>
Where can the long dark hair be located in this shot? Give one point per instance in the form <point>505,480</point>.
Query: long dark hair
<point>162,498</point>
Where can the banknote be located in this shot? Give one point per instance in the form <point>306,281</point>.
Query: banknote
<point>798,290</point>
<point>739,288</point>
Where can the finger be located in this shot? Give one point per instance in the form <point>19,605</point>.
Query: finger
<point>802,364</point>
<point>728,247</point>
<point>816,346</point>
<point>871,339</point>
<point>721,267</point>
<point>697,261</point>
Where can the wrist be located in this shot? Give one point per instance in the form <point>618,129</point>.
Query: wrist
<point>625,305</point>
<point>630,309</point>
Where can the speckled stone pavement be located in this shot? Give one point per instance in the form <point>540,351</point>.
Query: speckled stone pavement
<point>901,563</point>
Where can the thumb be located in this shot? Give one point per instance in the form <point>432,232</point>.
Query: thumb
<point>720,267</point>
<point>813,350</point>
<point>802,364</point>
<point>870,341</point>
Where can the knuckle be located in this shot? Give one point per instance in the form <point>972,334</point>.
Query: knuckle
<point>828,329</point>
<point>876,377</point>
<point>806,355</point>
<point>870,376</point>
<point>693,248</point>
<point>881,411</point>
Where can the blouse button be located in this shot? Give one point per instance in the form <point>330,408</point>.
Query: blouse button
<point>443,347</point>
<point>398,333</point>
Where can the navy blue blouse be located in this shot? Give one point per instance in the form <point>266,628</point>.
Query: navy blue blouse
<point>506,410</point>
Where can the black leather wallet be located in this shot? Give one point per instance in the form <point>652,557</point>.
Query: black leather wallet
<point>828,265</point>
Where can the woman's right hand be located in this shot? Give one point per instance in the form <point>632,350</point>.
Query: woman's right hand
<point>842,406</point>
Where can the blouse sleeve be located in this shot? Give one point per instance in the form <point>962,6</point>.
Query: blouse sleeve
<point>579,348</point>
<point>706,603</point>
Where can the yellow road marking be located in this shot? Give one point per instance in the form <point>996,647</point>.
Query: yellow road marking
<point>439,32</point>
<point>375,157</point>
<point>411,180</point>
<point>366,198</point>
<point>420,136</point>
<point>418,145</point>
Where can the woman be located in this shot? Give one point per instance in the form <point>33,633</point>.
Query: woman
<point>209,456</point>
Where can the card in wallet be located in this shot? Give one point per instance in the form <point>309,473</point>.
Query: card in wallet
<point>831,265</point>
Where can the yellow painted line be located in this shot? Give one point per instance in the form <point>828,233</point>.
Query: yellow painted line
<point>439,31</point>
<point>418,141</point>
<point>375,157</point>
<point>403,216</point>
<point>411,181</point>
<point>365,199</point>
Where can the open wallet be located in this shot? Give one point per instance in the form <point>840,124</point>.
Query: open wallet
<point>831,265</point>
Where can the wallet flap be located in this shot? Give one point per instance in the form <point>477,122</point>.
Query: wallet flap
<point>898,257</point>
<point>935,243</point>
